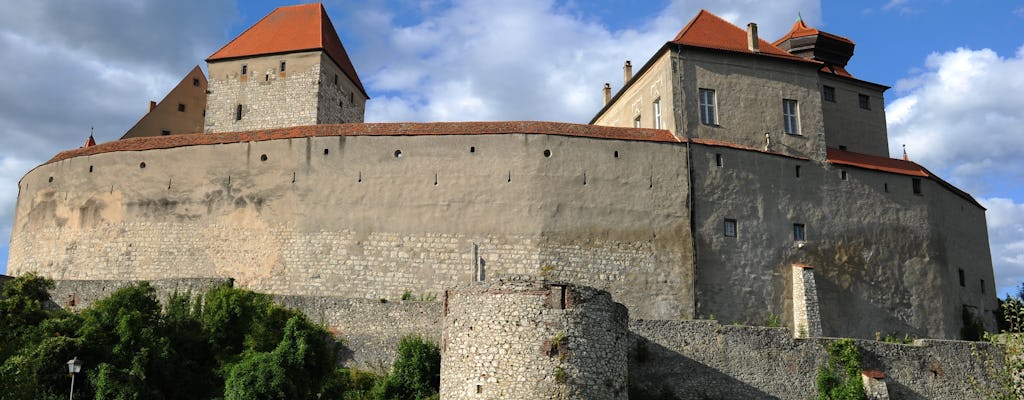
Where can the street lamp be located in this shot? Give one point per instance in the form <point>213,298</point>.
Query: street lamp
<point>74,367</point>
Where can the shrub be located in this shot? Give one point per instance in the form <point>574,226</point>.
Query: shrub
<point>840,378</point>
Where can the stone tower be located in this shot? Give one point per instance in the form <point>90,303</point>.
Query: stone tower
<point>289,69</point>
<point>517,338</point>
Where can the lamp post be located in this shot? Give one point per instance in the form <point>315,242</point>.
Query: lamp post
<point>74,367</point>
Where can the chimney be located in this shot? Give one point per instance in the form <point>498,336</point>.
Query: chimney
<point>607,92</point>
<point>152,105</point>
<point>627,72</point>
<point>752,41</point>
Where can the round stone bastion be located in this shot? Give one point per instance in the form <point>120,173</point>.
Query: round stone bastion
<point>522,338</point>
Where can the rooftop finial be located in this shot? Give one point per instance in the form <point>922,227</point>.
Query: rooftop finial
<point>799,17</point>
<point>90,141</point>
<point>905,158</point>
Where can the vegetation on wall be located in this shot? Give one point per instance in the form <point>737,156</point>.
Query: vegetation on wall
<point>840,378</point>
<point>227,344</point>
<point>1008,372</point>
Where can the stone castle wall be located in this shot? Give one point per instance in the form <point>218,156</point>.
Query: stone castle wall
<point>369,217</point>
<point>704,359</point>
<point>529,340</point>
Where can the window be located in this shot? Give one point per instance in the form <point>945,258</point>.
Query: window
<point>917,185</point>
<point>335,79</point>
<point>245,69</point>
<point>181,107</point>
<point>790,117</point>
<point>842,175</point>
<point>708,114</point>
<point>983,286</point>
<point>798,232</point>
<point>842,147</point>
<point>730,227</point>
<point>238,113</point>
<point>797,171</point>
<point>885,186</point>
<point>352,98</point>
<point>195,82</point>
<point>828,93</point>
<point>657,114</point>
<point>718,159</point>
<point>961,271</point>
<point>165,133</point>
<point>865,101</point>
<point>282,66</point>
<point>636,122</point>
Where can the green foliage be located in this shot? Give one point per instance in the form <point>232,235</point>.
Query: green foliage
<point>774,320</point>
<point>973,329</point>
<point>406,295</point>
<point>416,373</point>
<point>840,379</point>
<point>895,338</point>
<point>1007,371</point>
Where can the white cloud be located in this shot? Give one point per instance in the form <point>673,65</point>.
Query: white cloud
<point>961,114</point>
<point>531,59</point>
<point>1006,238</point>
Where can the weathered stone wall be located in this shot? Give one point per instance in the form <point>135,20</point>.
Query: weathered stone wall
<point>749,91</point>
<point>849,125</point>
<point>369,216</point>
<point>340,101</point>
<point>885,258</point>
<point>269,98</point>
<point>520,339</point>
<point>703,359</point>
<point>76,295</point>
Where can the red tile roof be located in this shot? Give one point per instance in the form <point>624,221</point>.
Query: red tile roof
<point>896,166</point>
<point>375,129</point>
<point>708,30</point>
<point>289,29</point>
<point>800,29</point>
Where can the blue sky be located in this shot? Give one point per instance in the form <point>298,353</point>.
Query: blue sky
<point>954,67</point>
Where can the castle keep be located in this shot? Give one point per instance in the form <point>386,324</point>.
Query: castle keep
<point>730,178</point>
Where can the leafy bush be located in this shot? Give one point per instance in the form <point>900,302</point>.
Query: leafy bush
<point>840,379</point>
<point>416,373</point>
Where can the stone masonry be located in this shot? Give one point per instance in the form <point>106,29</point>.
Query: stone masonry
<point>519,338</point>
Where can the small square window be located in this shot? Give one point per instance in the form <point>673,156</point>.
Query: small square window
<point>798,233</point>
<point>828,93</point>
<point>730,227</point>
<point>842,147</point>
<point>916,182</point>
<point>865,101</point>
<point>245,69</point>
<point>195,82</point>
<point>718,159</point>
<point>181,107</point>
<point>962,280</point>
<point>636,122</point>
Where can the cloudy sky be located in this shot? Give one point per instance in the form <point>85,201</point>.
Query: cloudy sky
<point>955,68</point>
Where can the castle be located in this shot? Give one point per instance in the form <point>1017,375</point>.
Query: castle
<point>730,178</point>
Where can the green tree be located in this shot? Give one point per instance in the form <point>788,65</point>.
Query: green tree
<point>840,379</point>
<point>416,373</point>
<point>298,367</point>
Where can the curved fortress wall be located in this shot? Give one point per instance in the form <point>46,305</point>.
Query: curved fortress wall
<point>514,339</point>
<point>370,216</point>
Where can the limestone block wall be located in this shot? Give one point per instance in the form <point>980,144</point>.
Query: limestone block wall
<point>530,340</point>
<point>339,100</point>
<point>269,98</point>
<point>370,217</point>
<point>704,359</point>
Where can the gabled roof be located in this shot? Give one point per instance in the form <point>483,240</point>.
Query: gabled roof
<point>708,30</point>
<point>290,29</point>
<point>800,29</point>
